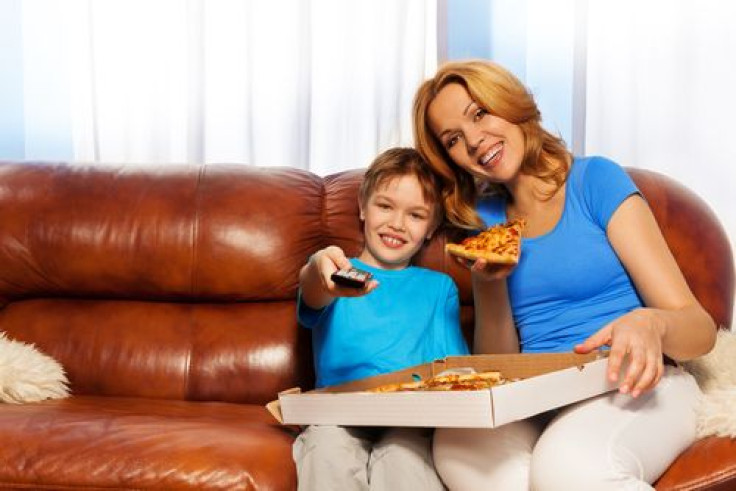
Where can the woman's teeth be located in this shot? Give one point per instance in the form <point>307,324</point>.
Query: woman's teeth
<point>491,155</point>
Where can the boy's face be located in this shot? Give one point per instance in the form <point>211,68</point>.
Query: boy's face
<point>397,220</point>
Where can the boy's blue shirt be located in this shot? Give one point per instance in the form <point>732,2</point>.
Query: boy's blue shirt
<point>413,317</point>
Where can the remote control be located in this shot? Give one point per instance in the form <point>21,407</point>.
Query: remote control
<point>351,277</point>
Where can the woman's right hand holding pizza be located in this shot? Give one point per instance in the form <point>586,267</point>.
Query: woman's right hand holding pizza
<point>488,271</point>
<point>485,270</point>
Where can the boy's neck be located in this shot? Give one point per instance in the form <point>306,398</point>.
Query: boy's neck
<point>367,258</point>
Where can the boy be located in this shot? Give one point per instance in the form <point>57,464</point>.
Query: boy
<point>403,316</point>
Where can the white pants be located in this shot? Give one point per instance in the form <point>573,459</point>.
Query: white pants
<point>610,442</point>
<point>354,458</point>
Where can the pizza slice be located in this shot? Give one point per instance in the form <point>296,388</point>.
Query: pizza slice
<point>451,382</point>
<point>499,244</point>
<point>398,387</point>
<point>468,381</point>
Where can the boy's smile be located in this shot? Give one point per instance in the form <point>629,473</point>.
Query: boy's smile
<point>397,220</point>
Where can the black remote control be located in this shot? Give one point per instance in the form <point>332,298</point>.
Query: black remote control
<point>351,277</point>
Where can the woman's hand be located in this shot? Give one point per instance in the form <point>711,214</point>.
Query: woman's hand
<point>636,345</point>
<point>486,271</point>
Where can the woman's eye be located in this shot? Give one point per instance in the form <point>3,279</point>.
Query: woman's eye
<point>479,113</point>
<point>451,142</point>
<point>418,216</point>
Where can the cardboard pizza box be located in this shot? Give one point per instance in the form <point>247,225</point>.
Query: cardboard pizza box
<point>540,382</point>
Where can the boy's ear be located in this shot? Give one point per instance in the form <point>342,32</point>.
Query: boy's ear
<point>362,214</point>
<point>432,230</point>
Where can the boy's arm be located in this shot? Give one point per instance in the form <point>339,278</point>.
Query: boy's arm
<point>317,288</point>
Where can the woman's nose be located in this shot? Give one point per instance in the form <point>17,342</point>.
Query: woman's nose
<point>473,139</point>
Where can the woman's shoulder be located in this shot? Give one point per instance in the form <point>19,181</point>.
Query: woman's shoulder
<point>592,173</point>
<point>601,184</point>
<point>594,167</point>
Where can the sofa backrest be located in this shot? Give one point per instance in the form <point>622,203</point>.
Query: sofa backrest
<point>175,282</point>
<point>697,240</point>
<point>180,282</point>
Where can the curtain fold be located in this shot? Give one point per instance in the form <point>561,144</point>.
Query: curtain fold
<point>322,85</point>
<point>660,92</point>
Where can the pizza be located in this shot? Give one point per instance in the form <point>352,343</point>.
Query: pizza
<point>500,244</point>
<point>466,381</point>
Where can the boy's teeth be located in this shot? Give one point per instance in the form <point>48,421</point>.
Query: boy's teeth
<point>392,240</point>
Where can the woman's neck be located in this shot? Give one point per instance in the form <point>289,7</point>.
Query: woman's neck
<point>538,202</point>
<point>528,192</point>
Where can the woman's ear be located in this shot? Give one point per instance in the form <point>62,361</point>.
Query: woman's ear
<point>361,214</point>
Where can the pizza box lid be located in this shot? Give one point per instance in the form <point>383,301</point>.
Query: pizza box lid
<point>541,382</point>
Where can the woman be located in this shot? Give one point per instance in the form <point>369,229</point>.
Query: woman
<point>594,272</point>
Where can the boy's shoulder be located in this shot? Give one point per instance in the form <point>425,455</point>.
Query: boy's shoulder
<point>431,275</point>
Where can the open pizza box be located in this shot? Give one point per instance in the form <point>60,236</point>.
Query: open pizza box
<point>537,383</point>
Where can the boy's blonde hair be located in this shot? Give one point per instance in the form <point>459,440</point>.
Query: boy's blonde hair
<point>499,92</point>
<point>399,162</point>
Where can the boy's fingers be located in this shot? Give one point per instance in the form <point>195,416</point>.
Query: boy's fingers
<point>337,257</point>
<point>346,291</point>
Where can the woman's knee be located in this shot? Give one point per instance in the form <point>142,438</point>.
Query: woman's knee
<point>485,458</point>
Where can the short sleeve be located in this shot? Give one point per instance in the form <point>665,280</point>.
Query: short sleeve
<point>606,185</point>
<point>307,316</point>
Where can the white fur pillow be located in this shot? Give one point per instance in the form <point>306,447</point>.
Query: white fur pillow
<point>27,375</point>
<point>716,376</point>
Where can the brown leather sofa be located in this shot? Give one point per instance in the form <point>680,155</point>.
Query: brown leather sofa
<point>168,294</point>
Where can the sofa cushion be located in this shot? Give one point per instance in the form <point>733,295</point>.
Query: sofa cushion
<point>107,442</point>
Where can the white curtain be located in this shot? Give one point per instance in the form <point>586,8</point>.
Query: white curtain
<point>661,92</point>
<point>322,84</point>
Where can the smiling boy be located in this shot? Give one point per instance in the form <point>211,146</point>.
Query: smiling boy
<point>405,315</point>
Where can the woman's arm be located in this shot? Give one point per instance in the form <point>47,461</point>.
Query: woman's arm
<point>673,321</point>
<point>495,331</point>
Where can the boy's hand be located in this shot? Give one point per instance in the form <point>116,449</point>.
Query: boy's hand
<point>332,259</point>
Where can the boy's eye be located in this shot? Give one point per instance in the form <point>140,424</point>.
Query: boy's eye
<point>479,113</point>
<point>383,206</point>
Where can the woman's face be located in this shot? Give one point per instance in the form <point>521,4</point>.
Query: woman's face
<point>486,146</point>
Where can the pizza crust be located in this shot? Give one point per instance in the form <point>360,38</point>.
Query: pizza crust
<point>491,257</point>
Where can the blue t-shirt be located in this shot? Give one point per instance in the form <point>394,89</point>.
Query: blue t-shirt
<point>569,283</point>
<point>413,317</point>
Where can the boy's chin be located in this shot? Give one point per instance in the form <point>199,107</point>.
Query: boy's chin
<point>386,261</point>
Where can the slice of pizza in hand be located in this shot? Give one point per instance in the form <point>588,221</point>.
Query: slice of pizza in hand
<point>500,244</point>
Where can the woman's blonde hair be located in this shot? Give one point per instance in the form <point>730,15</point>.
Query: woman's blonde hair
<point>500,93</point>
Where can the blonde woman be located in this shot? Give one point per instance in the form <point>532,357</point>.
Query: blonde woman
<point>595,272</point>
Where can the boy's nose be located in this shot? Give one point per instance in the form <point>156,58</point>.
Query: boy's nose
<point>397,222</point>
